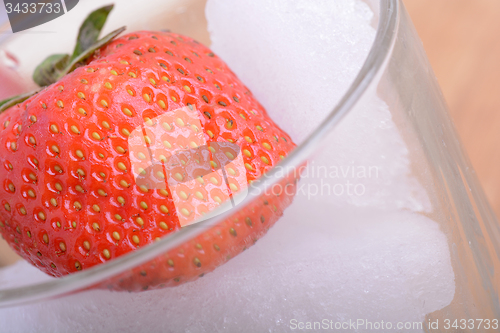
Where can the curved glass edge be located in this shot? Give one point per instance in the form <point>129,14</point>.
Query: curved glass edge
<point>373,66</point>
<point>471,226</point>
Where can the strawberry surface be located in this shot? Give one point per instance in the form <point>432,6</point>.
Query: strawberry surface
<point>88,162</point>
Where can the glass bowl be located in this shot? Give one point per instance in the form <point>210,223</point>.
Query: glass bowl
<point>420,248</point>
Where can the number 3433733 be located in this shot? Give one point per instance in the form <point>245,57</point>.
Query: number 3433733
<point>33,7</point>
<point>484,324</point>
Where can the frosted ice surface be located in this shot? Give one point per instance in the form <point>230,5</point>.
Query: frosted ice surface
<point>298,57</point>
<point>360,263</point>
<point>21,274</point>
<point>365,162</point>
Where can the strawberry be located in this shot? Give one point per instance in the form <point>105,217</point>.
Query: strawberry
<point>131,139</point>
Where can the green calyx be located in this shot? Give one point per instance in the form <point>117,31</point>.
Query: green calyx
<point>55,66</point>
<point>52,68</point>
<point>90,30</point>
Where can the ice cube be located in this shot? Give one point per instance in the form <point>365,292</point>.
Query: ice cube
<point>298,57</point>
<point>314,265</point>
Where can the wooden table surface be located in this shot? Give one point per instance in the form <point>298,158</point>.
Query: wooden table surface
<point>462,41</point>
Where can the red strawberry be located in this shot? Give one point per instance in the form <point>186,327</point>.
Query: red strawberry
<point>150,133</point>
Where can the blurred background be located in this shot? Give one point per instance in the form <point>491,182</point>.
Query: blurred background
<point>462,41</point>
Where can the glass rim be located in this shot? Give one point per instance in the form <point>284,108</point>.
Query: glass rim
<point>378,55</point>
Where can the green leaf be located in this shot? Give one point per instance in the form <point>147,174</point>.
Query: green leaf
<point>90,30</point>
<point>100,43</point>
<point>51,69</point>
<point>11,101</point>
<point>58,65</point>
